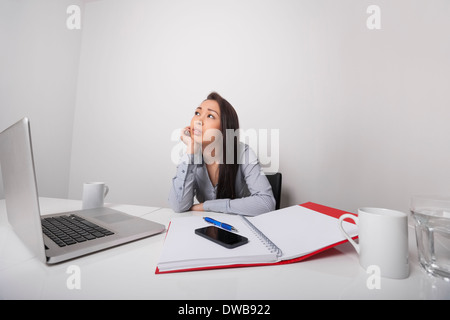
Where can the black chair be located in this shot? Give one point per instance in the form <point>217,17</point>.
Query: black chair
<point>275,182</point>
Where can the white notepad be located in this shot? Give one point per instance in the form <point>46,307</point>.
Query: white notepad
<point>280,235</point>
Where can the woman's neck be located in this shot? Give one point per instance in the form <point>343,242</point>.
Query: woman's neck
<point>210,157</point>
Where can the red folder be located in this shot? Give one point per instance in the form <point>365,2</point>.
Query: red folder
<point>332,212</point>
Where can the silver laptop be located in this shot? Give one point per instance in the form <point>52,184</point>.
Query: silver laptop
<point>57,237</point>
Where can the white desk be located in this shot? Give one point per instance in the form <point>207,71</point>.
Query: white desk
<point>128,272</point>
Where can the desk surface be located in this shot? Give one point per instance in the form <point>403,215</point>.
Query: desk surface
<point>128,272</point>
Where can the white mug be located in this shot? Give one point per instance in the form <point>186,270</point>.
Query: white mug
<point>383,240</point>
<point>94,194</point>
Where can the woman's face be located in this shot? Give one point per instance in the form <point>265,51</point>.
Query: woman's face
<point>206,117</point>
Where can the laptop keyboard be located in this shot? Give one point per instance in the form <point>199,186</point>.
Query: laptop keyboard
<point>70,229</point>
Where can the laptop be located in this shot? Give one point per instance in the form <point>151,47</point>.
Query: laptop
<point>67,235</point>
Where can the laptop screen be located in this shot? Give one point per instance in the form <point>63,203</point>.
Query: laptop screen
<point>20,188</point>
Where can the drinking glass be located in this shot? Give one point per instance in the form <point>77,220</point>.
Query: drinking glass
<point>432,226</point>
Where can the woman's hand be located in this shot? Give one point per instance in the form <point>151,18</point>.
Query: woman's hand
<point>187,139</point>
<point>197,207</point>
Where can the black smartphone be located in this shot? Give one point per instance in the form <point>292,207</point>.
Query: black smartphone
<point>221,236</point>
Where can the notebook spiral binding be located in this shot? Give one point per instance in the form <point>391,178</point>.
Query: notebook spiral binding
<point>261,236</point>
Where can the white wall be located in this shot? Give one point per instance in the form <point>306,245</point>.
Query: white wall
<point>38,72</point>
<point>362,114</point>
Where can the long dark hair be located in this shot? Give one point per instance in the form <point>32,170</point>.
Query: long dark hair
<point>227,171</point>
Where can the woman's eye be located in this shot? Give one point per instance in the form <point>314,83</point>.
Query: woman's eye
<point>210,116</point>
<point>197,113</point>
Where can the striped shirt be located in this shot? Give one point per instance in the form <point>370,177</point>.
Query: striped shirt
<point>253,191</point>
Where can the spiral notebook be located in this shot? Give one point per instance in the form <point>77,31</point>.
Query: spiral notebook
<point>283,236</point>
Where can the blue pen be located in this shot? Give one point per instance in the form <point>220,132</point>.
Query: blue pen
<point>220,224</point>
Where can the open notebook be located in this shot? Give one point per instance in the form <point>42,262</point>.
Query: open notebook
<point>282,236</point>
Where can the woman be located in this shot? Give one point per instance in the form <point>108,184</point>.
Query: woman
<point>223,174</point>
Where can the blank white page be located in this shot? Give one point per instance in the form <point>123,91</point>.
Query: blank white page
<point>298,231</point>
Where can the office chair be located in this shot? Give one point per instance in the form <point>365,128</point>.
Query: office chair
<point>275,182</point>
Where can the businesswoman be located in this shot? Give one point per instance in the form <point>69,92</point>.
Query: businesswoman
<point>222,173</point>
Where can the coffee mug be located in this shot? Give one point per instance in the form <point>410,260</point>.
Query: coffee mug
<point>383,240</point>
<point>94,194</point>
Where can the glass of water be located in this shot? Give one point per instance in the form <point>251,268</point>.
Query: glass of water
<point>432,224</point>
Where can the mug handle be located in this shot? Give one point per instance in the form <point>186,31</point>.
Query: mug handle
<point>106,190</point>
<point>354,218</point>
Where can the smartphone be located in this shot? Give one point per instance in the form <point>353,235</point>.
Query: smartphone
<point>221,236</point>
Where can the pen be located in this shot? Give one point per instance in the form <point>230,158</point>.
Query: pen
<point>220,224</point>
